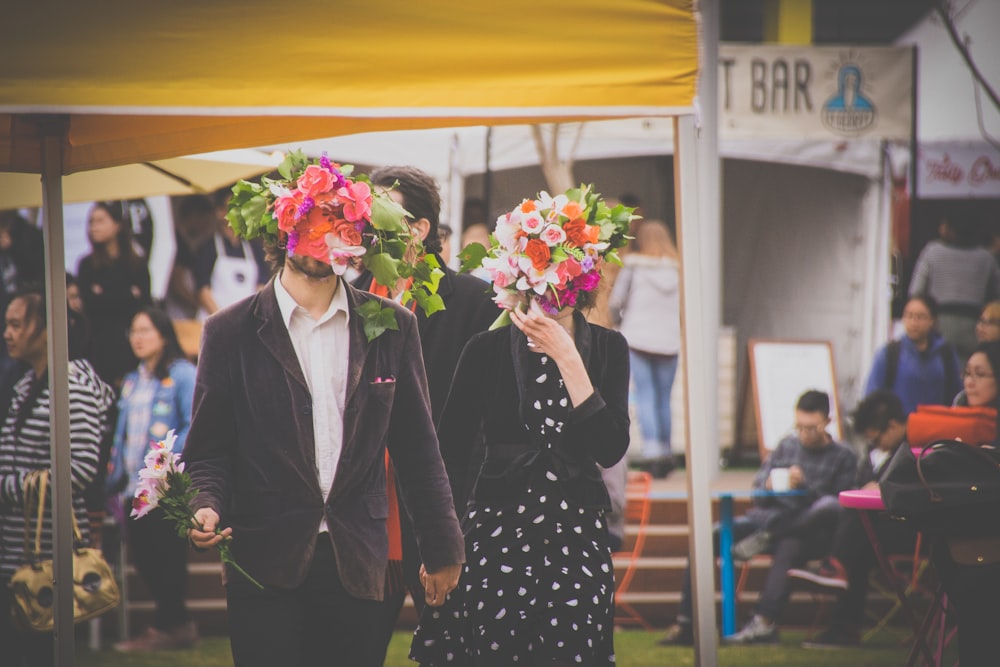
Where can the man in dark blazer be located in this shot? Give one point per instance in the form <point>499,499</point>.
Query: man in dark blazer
<point>252,454</point>
<point>469,309</point>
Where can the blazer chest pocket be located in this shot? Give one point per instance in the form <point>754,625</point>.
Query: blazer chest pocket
<point>382,392</point>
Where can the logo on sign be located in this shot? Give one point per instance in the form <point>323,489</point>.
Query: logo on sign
<point>849,111</point>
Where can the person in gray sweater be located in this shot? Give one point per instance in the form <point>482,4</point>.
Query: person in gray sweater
<point>645,303</point>
<point>962,277</point>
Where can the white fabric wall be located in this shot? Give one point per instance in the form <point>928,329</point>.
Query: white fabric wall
<point>796,265</point>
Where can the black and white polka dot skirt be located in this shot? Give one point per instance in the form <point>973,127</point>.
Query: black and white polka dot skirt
<point>538,587</point>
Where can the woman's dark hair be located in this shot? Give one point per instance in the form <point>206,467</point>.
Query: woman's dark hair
<point>126,251</point>
<point>77,325</point>
<point>929,303</point>
<point>992,352</point>
<point>171,346</point>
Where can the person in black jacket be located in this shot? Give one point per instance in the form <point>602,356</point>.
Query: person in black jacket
<point>881,419</point>
<point>550,396</point>
<point>468,310</point>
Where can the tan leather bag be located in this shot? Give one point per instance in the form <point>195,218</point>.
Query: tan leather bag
<point>95,590</point>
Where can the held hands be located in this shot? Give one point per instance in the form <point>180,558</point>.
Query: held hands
<point>207,537</point>
<point>438,584</point>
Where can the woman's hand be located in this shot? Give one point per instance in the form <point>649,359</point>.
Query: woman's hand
<point>545,335</point>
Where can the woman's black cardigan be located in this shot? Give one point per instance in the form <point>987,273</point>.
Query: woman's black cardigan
<point>486,393</point>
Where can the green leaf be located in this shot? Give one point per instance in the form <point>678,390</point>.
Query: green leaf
<point>385,269</point>
<point>613,258</point>
<point>429,303</point>
<point>502,320</point>
<point>472,257</point>
<point>388,216</point>
<point>377,320</point>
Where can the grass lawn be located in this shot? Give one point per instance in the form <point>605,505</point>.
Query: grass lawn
<point>635,648</point>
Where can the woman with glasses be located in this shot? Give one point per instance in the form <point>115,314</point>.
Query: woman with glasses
<point>988,326</point>
<point>155,398</point>
<point>921,368</point>
<point>973,587</point>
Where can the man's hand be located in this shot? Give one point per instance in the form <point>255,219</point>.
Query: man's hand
<point>438,584</point>
<point>207,537</point>
<point>795,477</point>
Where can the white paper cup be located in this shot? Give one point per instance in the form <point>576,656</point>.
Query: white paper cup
<point>779,479</point>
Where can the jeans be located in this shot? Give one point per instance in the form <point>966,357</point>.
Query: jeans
<point>653,378</point>
<point>796,537</point>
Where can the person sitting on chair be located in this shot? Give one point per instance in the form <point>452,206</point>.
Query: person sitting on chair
<point>881,419</point>
<point>791,526</point>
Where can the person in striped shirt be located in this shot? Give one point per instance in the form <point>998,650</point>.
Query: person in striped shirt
<point>24,447</point>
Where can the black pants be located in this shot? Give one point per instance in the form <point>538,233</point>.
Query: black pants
<point>853,549</point>
<point>160,558</point>
<point>974,591</point>
<point>318,623</point>
<point>21,648</point>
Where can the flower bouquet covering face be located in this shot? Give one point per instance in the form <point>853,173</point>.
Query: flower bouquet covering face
<point>551,250</point>
<point>321,209</point>
<point>163,483</point>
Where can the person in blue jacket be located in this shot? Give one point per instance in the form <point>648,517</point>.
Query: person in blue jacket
<point>155,398</point>
<point>921,368</point>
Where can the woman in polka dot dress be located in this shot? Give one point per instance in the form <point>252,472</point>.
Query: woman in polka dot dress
<point>550,395</point>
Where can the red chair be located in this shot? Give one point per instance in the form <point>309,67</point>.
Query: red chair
<point>637,511</point>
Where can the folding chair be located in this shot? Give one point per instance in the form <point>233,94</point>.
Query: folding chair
<point>910,568</point>
<point>637,511</point>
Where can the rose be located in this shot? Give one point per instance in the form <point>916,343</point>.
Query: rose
<point>579,233</point>
<point>568,270</point>
<point>347,232</point>
<point>532,223</point>
<point>286,211</point>
<point>572,210</point>
<point>538,253</point>
<point>316,181</point>
<point>358,201</point>
<point>553,235</point>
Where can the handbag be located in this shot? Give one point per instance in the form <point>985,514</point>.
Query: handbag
<point>947,488</point>
<point>95,590</point>
<point>930,423</point>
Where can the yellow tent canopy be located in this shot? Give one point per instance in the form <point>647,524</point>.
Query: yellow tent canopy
<point>127,82</point>
<point>99,84</point>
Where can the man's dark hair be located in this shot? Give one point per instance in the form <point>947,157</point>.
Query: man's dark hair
<point>814,401</point>
<point>877,410</point>
<point>420,197</point>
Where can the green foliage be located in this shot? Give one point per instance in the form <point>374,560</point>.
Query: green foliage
<point>389,216</point>
<point>377,320</point>
<point>472,257</point>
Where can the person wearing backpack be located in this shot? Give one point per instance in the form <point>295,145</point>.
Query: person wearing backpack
<point>921,368</point>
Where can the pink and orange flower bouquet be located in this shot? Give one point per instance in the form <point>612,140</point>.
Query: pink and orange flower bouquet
<point>551,249</point>
<point>164,484</point>
<point>323,210</point>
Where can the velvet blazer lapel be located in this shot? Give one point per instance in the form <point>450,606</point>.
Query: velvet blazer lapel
<point>273,333</point>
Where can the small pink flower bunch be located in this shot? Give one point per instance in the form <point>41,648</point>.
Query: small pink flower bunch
<point>551,249</point>
<point>164,484</point>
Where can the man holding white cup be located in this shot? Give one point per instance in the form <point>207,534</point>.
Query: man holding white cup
<point>793,516</point>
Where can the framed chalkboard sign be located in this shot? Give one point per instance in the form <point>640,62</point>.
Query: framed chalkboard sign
<point>780,372</point>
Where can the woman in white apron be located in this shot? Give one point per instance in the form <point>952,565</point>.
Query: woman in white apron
<point>233,278</point>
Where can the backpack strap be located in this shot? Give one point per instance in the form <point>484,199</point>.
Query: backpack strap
<point>951,377</point>
<point>892,352</point>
